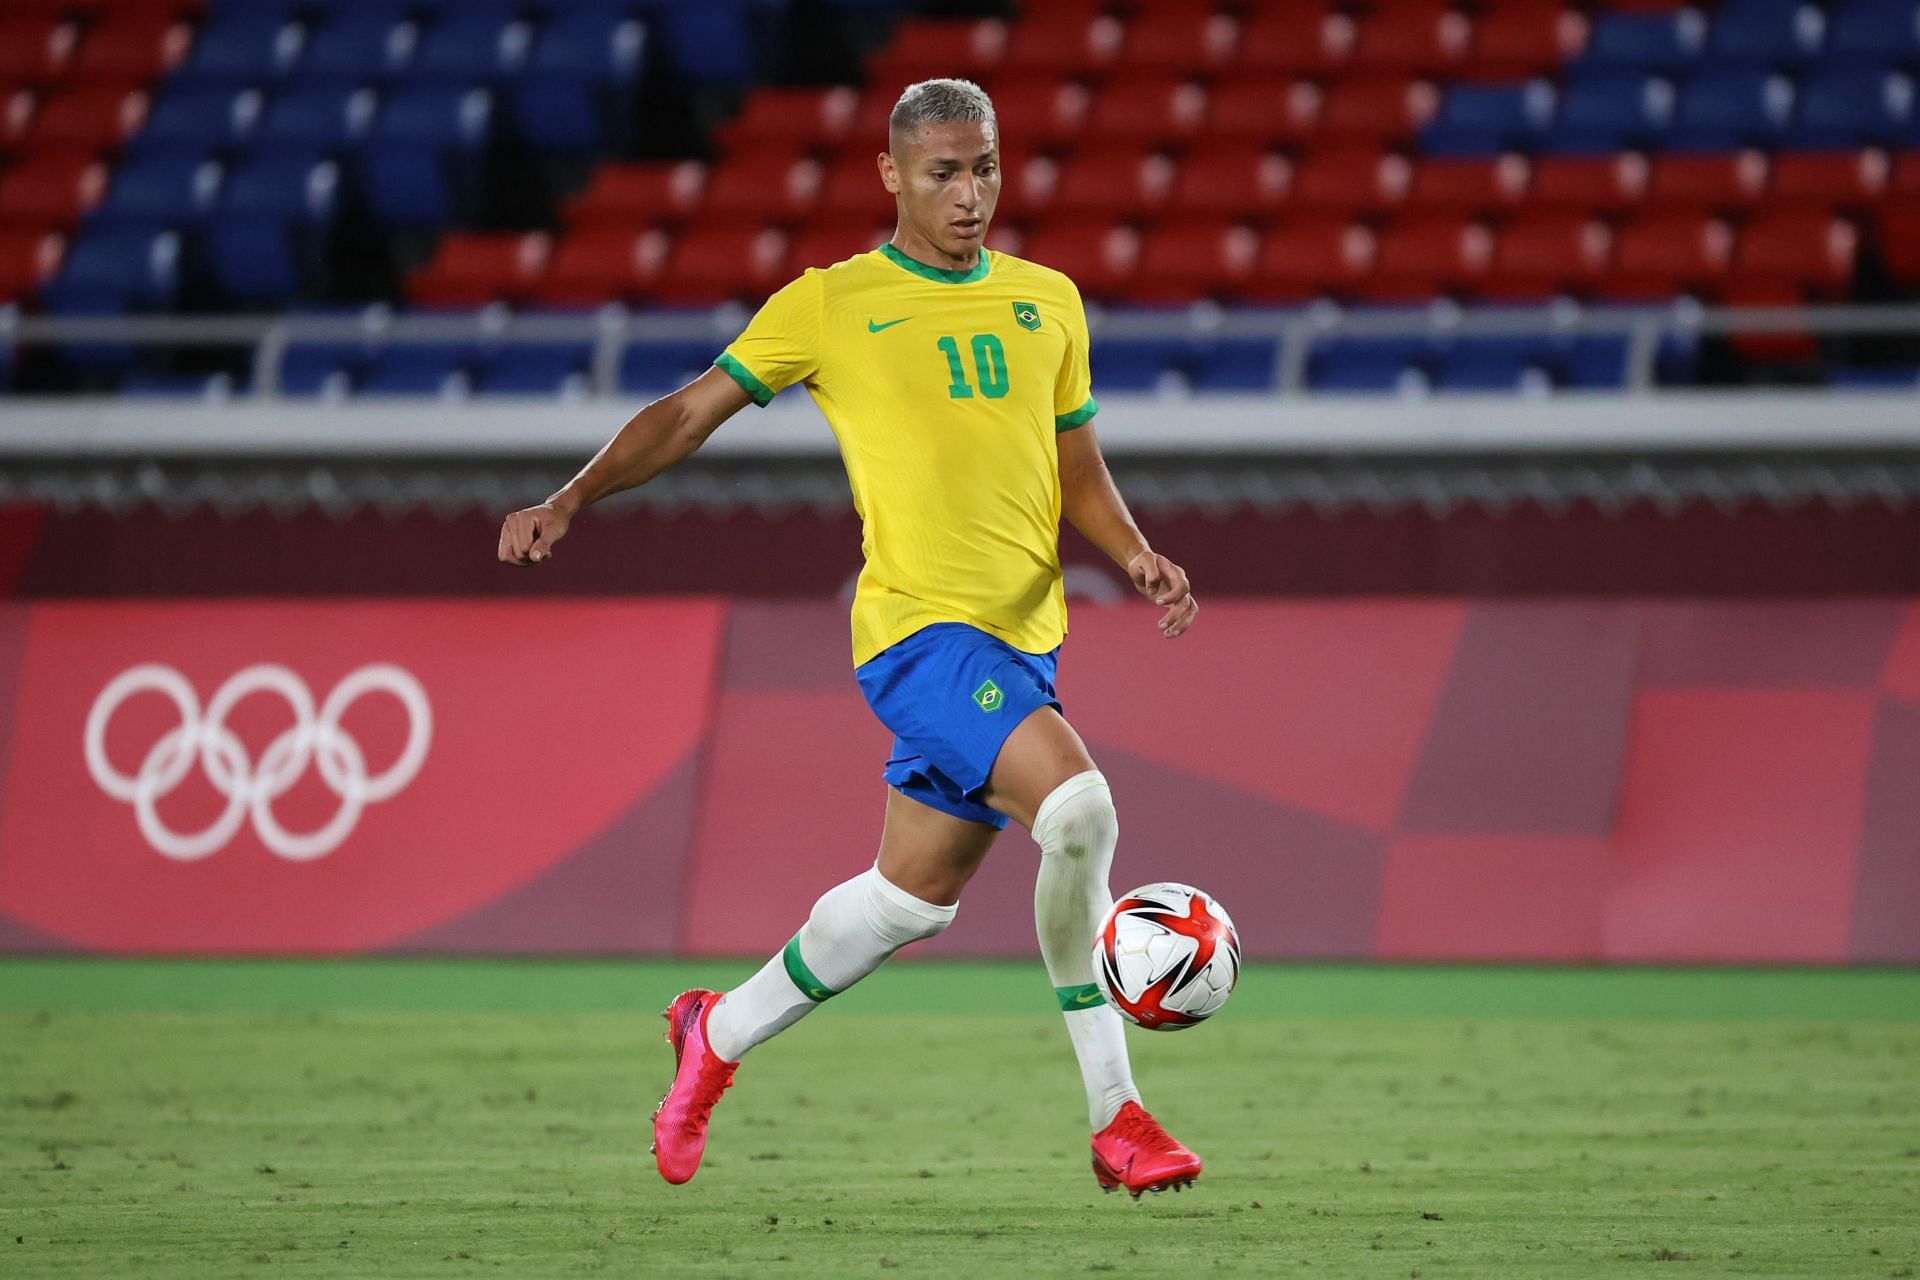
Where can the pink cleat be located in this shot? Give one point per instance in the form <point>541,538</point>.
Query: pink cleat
<point>1136,1153</point>
<point>700,1077</point>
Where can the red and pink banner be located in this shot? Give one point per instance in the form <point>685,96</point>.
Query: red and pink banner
<point>1621,781</point>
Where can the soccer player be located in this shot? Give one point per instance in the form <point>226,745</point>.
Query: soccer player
<point>955,380</point>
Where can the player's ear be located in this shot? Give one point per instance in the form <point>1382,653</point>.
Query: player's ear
<point>889,173</point>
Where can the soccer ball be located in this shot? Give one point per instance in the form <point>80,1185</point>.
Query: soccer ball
<point>1166,956</point>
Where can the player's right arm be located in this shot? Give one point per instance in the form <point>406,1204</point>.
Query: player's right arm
<point>655,438</point>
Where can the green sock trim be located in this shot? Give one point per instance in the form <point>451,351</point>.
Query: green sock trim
<point>1075,998</point>
<point>811,987</point>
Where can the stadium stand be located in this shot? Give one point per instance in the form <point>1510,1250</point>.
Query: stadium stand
<point>249,155</point>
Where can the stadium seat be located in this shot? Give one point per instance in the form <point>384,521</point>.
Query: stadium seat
<point>286,189</point>
<point>417,370</point>
<point>1264,111</point>
<point>1494,365</point>
<point>1041,112</point>
<point>1764,33</point>
<point>1725,182</point>
<point>1543,255</point>
<point>1900,241</point>
<point>1847,180</point>
<point>1418,258</point>
<point>755,189</point>
<point>547,369</point>
<point>631,196</point>
<point>1604,111</point>
<point>1179,38</point>
<point>923,50</point>
<point>1515,39</point>
<point>472,269</point>
<point>28,259</point>
<point>191,116</point>
<point>476,42</point>
<point>1296,37</point>
<point>1147,112</point>
<point>1093,181</point>
<point>1873,32</point>
<point>1230,365</point>
<point>1098,257</point>
<point>1851,107</point>
<point>131,45</point>
<point>1231,180</point>
<point>1195,260</point>
<point>1370,365</point>
<point>111,272</point>
<point>850,188</point>
<point>42,192</point>
<point>559,114</point>
<point>1660,255</point>
<point>357,44</point>
<point>1485,119</point>
<point>254,261</point>
<point>1608,185</point>
<point>1484,185</point>
<point>1425,37</point>
<point>653,367</point>
<point>823,244</point>
<point>1301,259</point>
<point>592,43</point>
<point>35,48</point>
<point>1343,181</point>
<point>321,369</point>
<point>158,193</point>
<point>1380,108</point>
<point>1644,42</point>
<point>412,184</point>
<point>241,46</point>
<point>452,119</point>
<point>717,42</point>
<point>1810,254</point>
<point>1061,38</point>
<point>792,120</point>
<point>1720,110</point>
<point>81,118</point>
<point>314,117</point>
<point>601,265</point>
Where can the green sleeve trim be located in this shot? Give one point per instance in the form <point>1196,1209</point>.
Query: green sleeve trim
<point>759,390</point>
<point>1075,998</point>
<point>810,987</point>
<point>1078,418</point>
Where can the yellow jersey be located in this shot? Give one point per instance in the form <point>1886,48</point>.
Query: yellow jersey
<point>945,390</point>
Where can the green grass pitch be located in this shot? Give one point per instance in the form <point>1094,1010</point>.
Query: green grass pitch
<point>454,1118</point>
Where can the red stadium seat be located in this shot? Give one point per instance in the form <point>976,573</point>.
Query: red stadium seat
<point>50,191</point>
<point>851,188</point>
<point>1811,252</point>
<point>794,120</point>
<point>1146,112</point>
<point>1899,234</point>
<point>1179,38</point>
<point>1297,37</point>
<point>1184,263</point>
<point>90,119</point>
<point>28,260</point>
<point>638,195</point>
<point>924,50</point>
<point>35,48</point>
<point>754,190</point>
<point>1726,182</point>
<point>1660,255</point>
<point>1300,260</point>
<point>1119,181</point>
<point>592,267</point>
<point>1230,181</point>
<point>1345,182</point>
<point>1476,186</point>
<point>1041,113</point>
<point>720,264</point>
<point>1424,38</point>
<point>1588,184</point>
<point>1904,181</point>
<point>1378,108</point>
<point>132,45</point>
<point>1100,258</point>
<point>1851,180</point>
<point>1263,110</point>
<point>823,244</point>
<point>1540,256</point>
<point>1061,38</point>
<point>1420,258</point>
<point>1523,38</point>
<point>472,269</point>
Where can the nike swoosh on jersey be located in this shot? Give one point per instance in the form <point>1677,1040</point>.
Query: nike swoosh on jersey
<point>875,328</point>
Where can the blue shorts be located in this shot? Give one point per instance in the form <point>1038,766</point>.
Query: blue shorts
<point>951,693</point>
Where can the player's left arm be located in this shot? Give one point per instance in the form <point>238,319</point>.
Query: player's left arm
<point>1091,502</point>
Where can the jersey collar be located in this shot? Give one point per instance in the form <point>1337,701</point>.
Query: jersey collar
<point>978,271</point>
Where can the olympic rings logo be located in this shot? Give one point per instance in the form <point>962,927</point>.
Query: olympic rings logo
<point>251,788</point>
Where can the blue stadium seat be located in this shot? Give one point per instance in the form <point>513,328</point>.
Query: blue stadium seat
<point>111,271</point>
<point>1591,363</point>
<point>287,189</point>
<point>448,118</point>
<point>471,43</point>
<point>713,42</point>
<point>558,113</point>
<point>198,116</point>
<point>1724,110</point>
<point>663,366</point>
<point>1485,119</point>
<point>1879,377</point>
<point>315,117</point>
<point>1132,364</point>
<point>547,369</point>
<point>1645,41</point>
<point>157,192</point>
<point>593,43</point>
<point>1848,107</point>
<point>408,184</point>
<point>321,368</point>
<point>1233,365</point>
<point>412,370</point>
<point>357,44</point>
<point>253,261</point>
<point>1768,33</point>
<point>1607,111</point>
<point>1370,364</point>
<point>243,46</point>
<point>1874,32</point>
<point>183,386</point>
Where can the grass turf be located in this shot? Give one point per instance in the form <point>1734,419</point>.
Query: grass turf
<point>404,1118</point>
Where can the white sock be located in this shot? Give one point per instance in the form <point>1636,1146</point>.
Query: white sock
<point>853,928</point>
<point>1077,830</point>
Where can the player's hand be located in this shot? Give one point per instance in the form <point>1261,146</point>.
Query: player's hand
<point>527,537</point>
<point>1164,582</point>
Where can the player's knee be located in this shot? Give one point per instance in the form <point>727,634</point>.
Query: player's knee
<point>900,917</point>
<point>1078,820</point>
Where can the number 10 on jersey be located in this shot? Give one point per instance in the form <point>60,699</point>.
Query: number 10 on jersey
<point>989,366</point>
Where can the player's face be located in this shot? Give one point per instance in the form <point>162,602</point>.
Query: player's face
<point>947,177</point>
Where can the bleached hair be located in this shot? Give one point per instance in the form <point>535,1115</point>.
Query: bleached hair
<point>939,102</point>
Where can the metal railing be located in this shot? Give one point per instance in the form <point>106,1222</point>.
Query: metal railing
<point>611,331</point>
